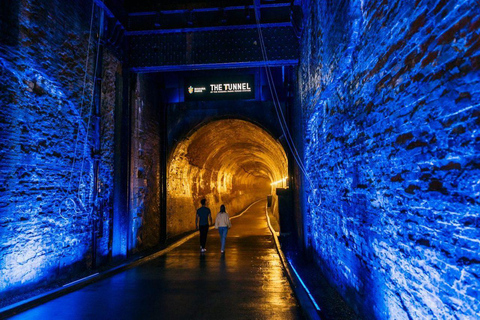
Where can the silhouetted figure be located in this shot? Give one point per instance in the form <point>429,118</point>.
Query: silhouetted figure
<point>222,223</point>
<point>202,221</point>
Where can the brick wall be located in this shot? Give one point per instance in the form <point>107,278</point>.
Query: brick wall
<point>145,169</point>
<point>390,98</point>
<point>46,163</point>
<point>112,70</point>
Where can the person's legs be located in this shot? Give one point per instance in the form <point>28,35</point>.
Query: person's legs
<point>206,233</point>
<point>203,235</point>
<point>223,236</point>
<point>220,232</point>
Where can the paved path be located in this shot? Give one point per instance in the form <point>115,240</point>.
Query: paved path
<point>246,283</point>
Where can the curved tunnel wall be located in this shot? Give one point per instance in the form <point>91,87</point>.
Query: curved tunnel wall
<point>231,162</point>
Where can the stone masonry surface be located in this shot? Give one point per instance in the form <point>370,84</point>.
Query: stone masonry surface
<point>390,93</point>
<point>46,161</point>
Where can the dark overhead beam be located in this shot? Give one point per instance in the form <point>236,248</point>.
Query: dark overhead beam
<point>213,28</point>
<point>211,17</point>
<point>224,48</point>
<point>213,9</point>
<point>213,66</point>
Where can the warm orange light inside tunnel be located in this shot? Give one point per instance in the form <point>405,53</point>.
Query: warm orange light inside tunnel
<point>231,162</point>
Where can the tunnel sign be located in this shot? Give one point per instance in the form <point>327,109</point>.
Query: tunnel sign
<point>226,88</point>
<point>230,87</point>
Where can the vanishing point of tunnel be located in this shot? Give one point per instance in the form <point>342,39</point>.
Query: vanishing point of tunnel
<point>231,162</point>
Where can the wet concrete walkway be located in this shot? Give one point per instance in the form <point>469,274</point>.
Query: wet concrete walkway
<point>246,283</point>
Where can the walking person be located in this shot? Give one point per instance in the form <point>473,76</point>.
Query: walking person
<point>222,223</point>
<point>203,220</point>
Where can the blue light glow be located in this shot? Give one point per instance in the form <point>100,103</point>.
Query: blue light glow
<point>391,113</point>
<point>45,141</point>
<point>304,286</point>
<point>80,280</point>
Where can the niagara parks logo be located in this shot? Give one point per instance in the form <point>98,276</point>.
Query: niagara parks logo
<point>190,89</point>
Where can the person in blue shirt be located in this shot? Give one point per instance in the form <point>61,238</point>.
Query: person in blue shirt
<point>202,221</point>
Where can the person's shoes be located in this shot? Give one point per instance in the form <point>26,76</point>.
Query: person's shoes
<point>203,250</point>
<point>222,251</point>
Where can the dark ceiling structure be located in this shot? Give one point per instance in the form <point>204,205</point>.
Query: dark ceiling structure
<point>192,35</point>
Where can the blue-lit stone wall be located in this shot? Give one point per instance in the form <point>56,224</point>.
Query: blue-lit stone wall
<point>46,138</point>
<point>110,89</point>
<point>390,93</point>
<point>145,174</point>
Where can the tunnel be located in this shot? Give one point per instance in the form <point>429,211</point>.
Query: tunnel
<point>232,162</point>
<point>342,136</point>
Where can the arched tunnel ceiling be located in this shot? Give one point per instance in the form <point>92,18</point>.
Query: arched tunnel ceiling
<point>237,147</point>
<point>231,162</point>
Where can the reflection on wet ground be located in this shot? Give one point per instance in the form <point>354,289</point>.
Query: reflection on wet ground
<point>245,283</point>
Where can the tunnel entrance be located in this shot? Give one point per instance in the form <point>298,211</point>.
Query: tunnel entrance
<point>230,161</point>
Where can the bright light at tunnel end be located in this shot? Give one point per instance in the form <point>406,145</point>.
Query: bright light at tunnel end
<point>279,181</point>
<point>304,286</point>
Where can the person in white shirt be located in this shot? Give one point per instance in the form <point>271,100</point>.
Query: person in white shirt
<point>222,223</point>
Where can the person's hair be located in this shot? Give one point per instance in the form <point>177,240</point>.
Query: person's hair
<point>222,208</point>
<point>203,201</point>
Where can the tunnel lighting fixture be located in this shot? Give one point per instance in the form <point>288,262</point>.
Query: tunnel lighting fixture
<point>279,181</point>
<point>79,280</point>
<point>304,286</point>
